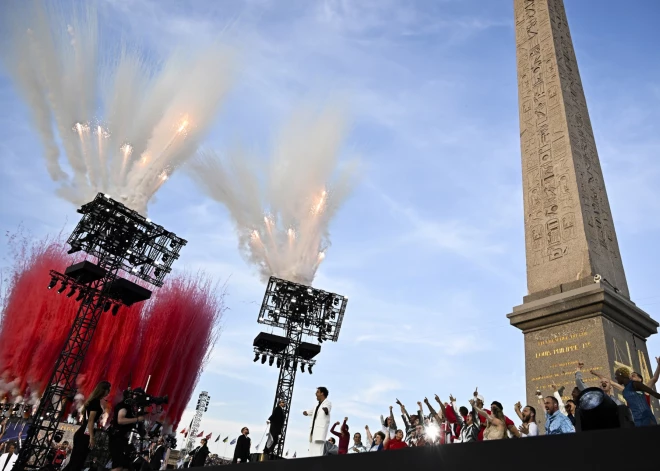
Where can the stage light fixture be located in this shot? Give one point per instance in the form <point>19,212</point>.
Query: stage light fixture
<point>62,288</point>
<point>310,369</point>
<point>115,309</point>
<point>302,367</point>
<point>256,357</point>
<point>107,306</point>
<point>271,360</point>
<point>279,363</point>
<point>53,282</point>
<point>80,296</point>
<point>263,358</point>
<point>598,411</point>
<point>71,292</point>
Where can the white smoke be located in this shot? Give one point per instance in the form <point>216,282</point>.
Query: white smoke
<point>282,208</point>
<point>125,123</point>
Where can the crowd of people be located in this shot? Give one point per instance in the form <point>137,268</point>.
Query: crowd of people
<point>450,422</point>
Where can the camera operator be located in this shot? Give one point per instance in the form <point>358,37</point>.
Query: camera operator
<point>124,422</point>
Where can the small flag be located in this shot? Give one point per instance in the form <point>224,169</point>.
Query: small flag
<point>257,448</point>
<point>201,434</point>
<point>217,438</point>
<point>287,453</point>
<point>294,454</point>
<point>225,440</point>
<point>184,431</point>
<point>233,442</point>
<point>208,437</point>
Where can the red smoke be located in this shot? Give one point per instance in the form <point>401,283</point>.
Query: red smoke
<point>181,324</point>
<point>168,338</point>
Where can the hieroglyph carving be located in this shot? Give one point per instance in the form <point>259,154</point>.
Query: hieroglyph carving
<point>566,208</point>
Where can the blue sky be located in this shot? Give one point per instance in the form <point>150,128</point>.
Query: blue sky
<point>430,248</point>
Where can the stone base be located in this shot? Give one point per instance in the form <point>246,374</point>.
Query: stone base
<point>592,324</point>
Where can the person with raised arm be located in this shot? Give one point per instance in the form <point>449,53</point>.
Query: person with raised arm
<point>528,418</point>
<point>343,435</point>
<point>388,424</point>
<point>640,409</point>
<point>411,422</point>
<point>374,443</point>
<point>496,428</point>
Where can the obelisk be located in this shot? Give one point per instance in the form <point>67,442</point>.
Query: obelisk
<point>578,307</point>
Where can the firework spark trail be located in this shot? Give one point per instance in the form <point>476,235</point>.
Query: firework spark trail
<point>282,210</point>
<point>101,103</point>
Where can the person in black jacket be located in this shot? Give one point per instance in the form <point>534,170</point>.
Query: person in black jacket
<point>199,455</point>
<point>242,451</point>
<point>276,421</point>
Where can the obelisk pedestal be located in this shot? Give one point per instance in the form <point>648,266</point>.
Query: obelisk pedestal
<point>578,306</point>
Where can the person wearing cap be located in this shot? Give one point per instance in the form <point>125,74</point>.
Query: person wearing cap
<point>639,408</point>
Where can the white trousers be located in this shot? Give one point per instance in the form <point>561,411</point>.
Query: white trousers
<point>316,448</point>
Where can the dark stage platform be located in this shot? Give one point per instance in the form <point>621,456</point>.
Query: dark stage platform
<point>606,449</point>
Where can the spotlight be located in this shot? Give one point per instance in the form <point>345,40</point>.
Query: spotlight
<point>115,309</point>
<point>71,292</point>
<point>598,411</point>
<point>256,357</point>
<point>309,368</point>
<point>279,363</point>
<point>263,358</point>
<point>302,367</point>
<point>62,288</point>
<point>271,360</point>
<point>107,306</point>
<point>81,294</point>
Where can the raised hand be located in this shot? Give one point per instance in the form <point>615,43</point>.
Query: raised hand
<point>554,387</point>
<point>580,365</point>
<point>437,398</point>
<point>305,413</point>
<point>366,427</point>
<point>471,401</point>
<point>390,408</point>
<point>452,398</point>
<point>476,392</point>
<point>345,419</point>
<point>524,428</point>
<point>518,405</point>
<point>337,423</point>
<point>426,401</point>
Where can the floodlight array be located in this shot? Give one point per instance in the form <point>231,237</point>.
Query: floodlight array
<point>315,312</point>
<point>110,229</point>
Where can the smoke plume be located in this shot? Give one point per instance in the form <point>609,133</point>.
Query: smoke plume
<point>126,122</point>
<point>282,209</point>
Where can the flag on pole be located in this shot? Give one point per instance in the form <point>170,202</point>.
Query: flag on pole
<point>217,438</point>
<point>225,440</point>
<point>233,442</point>
<point>257,448</point>
<point>208,437</point>
<point>184,431</point>
<point>201,434</point>
<point>287,453</point>
<point>294,454</point>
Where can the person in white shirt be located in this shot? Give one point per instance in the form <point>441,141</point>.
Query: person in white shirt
<point>320,415</point>
<point>528,417</point>
<point>8,459</point>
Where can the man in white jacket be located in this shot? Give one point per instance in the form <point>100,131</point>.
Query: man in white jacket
<point>320,415</point>
<point>8,459</point>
